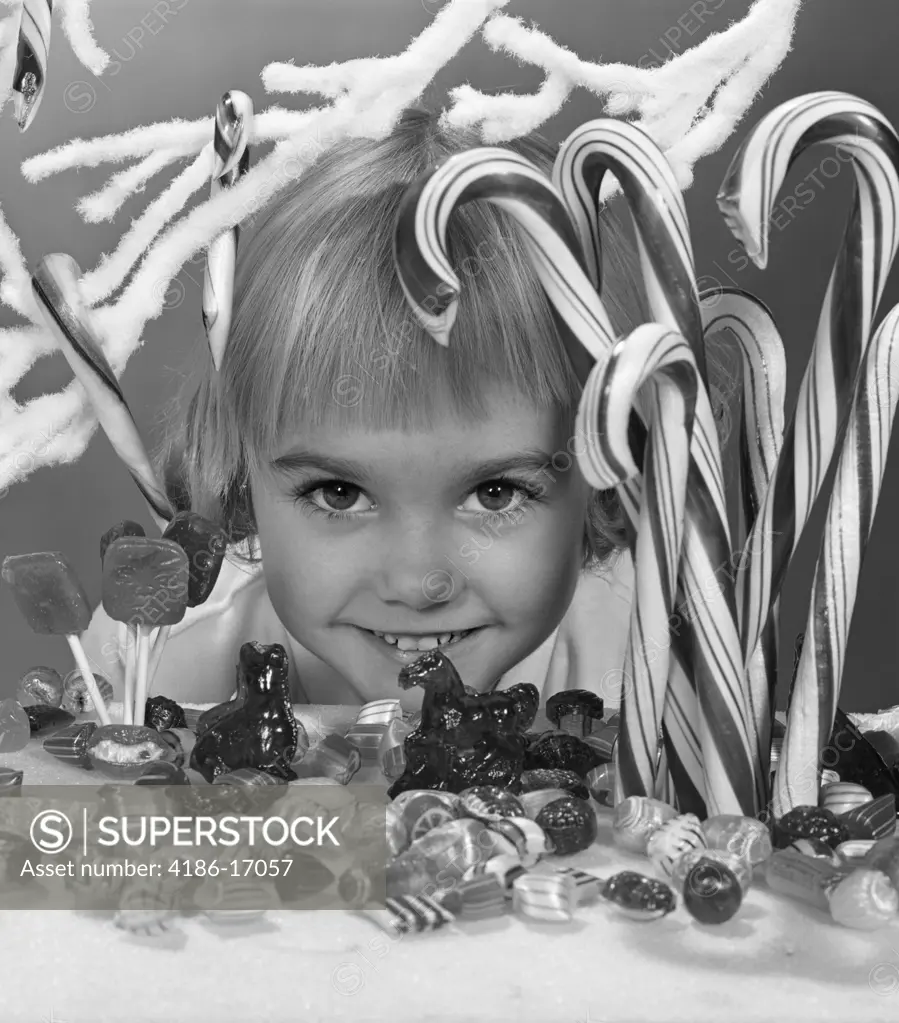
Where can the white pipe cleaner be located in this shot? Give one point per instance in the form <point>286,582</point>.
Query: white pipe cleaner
<point>690,105</point>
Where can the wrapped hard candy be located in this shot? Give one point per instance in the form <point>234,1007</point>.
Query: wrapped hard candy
<point>876,819</point>
<point>423,810</point>
<point>506,868</point>
<point>865,901</point>
<point>712,892</point>
<point>162,772</point>
<point>855,851</point>
<point>488,803</point>
<point>569,825</point>
<point>574,711</point>
<point>15,727</point>
<point>738,865</point>
<point>636,818</point>
<point>829,777</point>
<point>43,719</point>
<point>476,898</point>
<point>145,910</point>
<point>306,876</point>
<point>842,796</point>
<point>675,837</point>
<point>397,833</point>
<point>817,849</point>
<point>601,783</point>
<point>162,713</point>
<point>236,902</point>
<point>559,751</point>
<point>527,837</point>
<point>547,897</point>
<point>71,744</point>
<point>549,778</point>
<point>391,749</point>
<point>804,878</point>
<point>587,886</point>
<point>884,855</point>
<point>10,778</point>
<point>75,696</point>
<point>639,897</point>
<point>40,685</point>
<point>746,837</point>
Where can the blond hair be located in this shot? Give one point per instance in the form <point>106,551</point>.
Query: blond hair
<point>321,331</point>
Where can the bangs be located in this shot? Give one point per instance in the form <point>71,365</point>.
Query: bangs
<point>325,325</point>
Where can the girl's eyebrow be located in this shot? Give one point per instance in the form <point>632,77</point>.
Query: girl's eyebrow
<point>532,460</point>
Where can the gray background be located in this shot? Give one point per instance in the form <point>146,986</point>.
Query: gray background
<point>180,64</point>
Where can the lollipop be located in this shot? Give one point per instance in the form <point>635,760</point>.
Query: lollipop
<point>204,544</point>
<point>843,335</point>
<point>431,287</point>
<point>233,121</point>
<point>53,602</point>
<point>145,583</point>
<point>31,59</point>
<point>55,286</point>
<point>125,528</point>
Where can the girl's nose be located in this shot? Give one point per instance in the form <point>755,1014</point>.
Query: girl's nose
<point>416,567</point>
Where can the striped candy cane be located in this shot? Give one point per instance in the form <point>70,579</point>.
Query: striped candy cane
<point>761,436</point>
<point>233,124</point>
<point>30,76</point>
<point>856,284</point>
<point>707,705</point>
<point>850,516</point>
<point>432,289</point>
<point>662,360</point>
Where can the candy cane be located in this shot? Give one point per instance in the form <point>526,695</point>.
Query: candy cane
<point>657,354</point>
<point>432,289</point>
<point>233,124</point>
<point>30,75</point>
<point>850,516</point>
<point>708,651</point>
<point>55,286</point>
<point>856,284</point>
<point>761,436</point>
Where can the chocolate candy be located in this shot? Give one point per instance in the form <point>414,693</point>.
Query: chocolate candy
<point>712,892</point>
<point>574,711</point>
<point>76,697</point>
<point>463,739</point>
<point>15,727</point>
<point>569,824</point>
<point>746,837</point>
<point>204,544</point>
<point>47,593</point>
<point>809,822</point>
<point>488,803</point>
<point>865,901</point>
<point>675,837</point>
<point>116,532</point>
<point>636,818</point>
<point>565,752</point>
<point>547,897</point>
<point>876,819</point>
<point>70,744</point>
<point>547,778</point>
<point>639,897</point>
<point>162,713</point>
<point>264,732</point>
<point>145,581</point>
<point>886,746</point>
<point>40,685</point>
<point>843,796</point>
<point>43,719</point>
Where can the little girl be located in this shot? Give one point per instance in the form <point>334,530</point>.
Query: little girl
<point>385,495</point>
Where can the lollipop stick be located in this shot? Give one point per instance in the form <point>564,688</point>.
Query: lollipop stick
<point>91,683</point>
<point>159,643</point>
<point>143,651</point>
<point>130,667</point>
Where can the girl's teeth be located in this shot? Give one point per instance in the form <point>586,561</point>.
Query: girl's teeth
<point>407,643</point>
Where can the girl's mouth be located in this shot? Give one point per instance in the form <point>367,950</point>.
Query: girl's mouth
<point>408,648</point>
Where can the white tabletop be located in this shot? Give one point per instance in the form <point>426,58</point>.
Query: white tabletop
<point>774,960</point>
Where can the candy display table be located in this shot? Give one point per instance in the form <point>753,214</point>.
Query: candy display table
<point>775,959</point>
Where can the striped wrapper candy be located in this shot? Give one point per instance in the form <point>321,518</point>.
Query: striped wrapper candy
<point>659,365</point>
<point>708,757</point>
<point>838,368</point>
<point>69,744</point>
<point>506,867</point>
<point>392,750</point>
<point>30,76</point>
<point>587,886</point>
<point>413,914</point>
<point>332,757</point>
<point>233,127</point>
<point>743,317</point>
<point>526,836</point>
<point>842,796</point>
<point>370,727</point>
<point>10,778</point>
<point>552,898</point>
<point>237,902</point>
<point>478,897</point>
<point>877,817</point>
<point>55,287</point>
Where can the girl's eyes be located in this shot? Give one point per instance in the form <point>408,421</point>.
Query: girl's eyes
<point>498,499</point>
